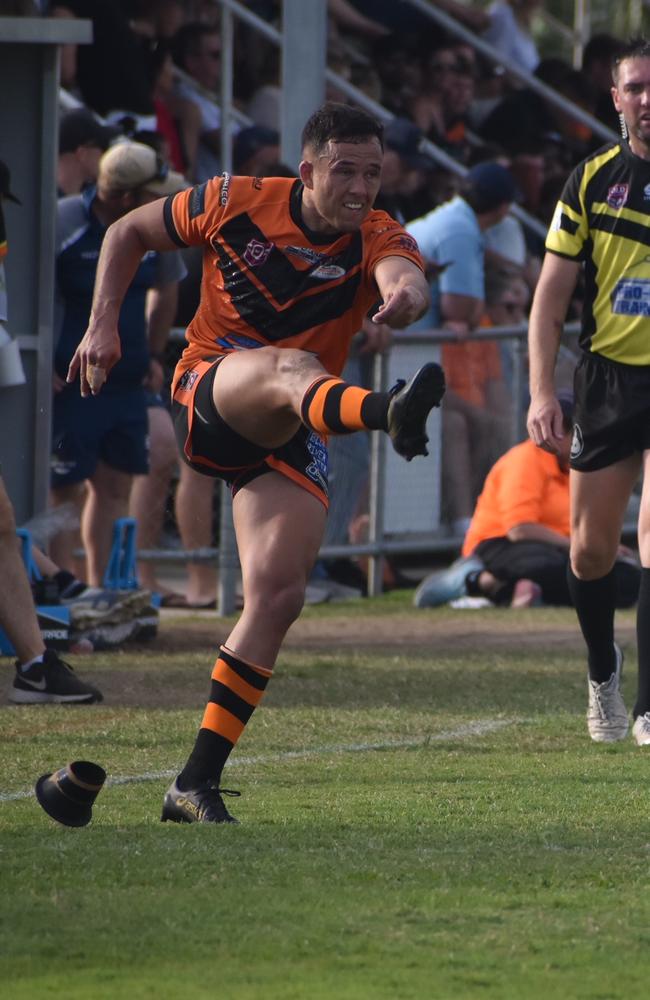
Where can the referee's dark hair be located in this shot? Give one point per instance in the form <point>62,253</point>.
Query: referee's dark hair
<point>636,48</point>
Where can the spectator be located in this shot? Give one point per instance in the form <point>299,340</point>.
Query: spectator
<point>452,237</point>
<point>112,75</point>
<point>178,120</point>
<point>254,149</point>
<point>405,168</point>
<point>597,59</point>
<point>196,49</point>
<point>509,32</point>
<point>82,141</point>
<point>40,675</point>
<point>516,551</point>
<point>104,446</point>
<point>442,108</point>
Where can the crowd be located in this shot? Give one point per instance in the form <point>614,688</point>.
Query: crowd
<point>153,128</point>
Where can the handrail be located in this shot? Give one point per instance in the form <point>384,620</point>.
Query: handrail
<point>451,25</point>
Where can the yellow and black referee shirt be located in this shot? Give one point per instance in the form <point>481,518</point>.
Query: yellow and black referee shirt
<point>603,220</point>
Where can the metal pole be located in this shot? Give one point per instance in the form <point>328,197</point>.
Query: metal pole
<point>228,558</point>
<point>227,74</point>
<point>304,31</point>
<point>376,502</point>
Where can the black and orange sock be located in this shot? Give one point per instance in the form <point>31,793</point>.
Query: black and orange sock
<point>332,406</point>
<point>236,690</point>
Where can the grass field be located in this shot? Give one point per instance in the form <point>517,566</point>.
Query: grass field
<point>422,816</point>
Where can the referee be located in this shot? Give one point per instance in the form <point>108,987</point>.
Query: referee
<point>601,225</point>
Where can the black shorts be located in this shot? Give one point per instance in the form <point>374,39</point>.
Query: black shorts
<point>612,412</point>
<point>210,446</point>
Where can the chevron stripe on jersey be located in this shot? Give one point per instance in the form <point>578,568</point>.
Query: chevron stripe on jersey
<point>602,218</point>
<point>268,280</point>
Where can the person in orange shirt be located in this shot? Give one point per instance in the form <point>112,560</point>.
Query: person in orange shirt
<point>291,266</point>
<point>516,550</point>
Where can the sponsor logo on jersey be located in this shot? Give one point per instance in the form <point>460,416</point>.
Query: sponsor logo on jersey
<point>317,470</point>
<point>306,253</point>
<point>617,195</point>
<point>631,297</point>
<point>257,252</point>
<point>577,442</point>
<point>328,271</point>
<point>225,188</point>
<point>238,342</point>
<point>646,193</point>
<point>556,221</point>
<point>407,243</point>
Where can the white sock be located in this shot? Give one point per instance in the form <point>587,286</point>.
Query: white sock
<point>25,666</point>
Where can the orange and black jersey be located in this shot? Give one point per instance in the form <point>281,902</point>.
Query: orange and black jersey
<point>268,279</point>
<point>602,220</point>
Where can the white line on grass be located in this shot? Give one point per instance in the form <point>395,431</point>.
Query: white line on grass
<point>476,728</point>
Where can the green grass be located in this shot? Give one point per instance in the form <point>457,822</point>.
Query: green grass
<point>510,865</point>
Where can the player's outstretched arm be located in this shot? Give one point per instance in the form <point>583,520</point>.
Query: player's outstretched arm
<point>125,243</point>
<point>552,296</point>
<point>404,291</point>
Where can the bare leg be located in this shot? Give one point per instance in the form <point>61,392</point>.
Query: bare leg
<point>149,493</point>
<point>63,545</point>
<point>108,499</point>
<point>259,393</point>
<point>279,529</point>
<point>17,613</point>
<point>193,509</point>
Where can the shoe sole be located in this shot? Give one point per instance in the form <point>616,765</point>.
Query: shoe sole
<point>43,698</point>
<point>425,393</point>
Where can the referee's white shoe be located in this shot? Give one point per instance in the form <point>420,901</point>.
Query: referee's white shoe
<point>607,718</point>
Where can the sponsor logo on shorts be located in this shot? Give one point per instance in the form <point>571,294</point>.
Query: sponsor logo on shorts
<point>317,469</point>
<point>187,380</point>
<point>631,297</point>
<point>257,252</point>
<point>617,195</point>
<point>577,442</point>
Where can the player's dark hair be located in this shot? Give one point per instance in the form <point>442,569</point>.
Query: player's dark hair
<point>342,123</point>
<point>636,48</point>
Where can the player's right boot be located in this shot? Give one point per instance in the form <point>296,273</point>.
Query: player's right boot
<point>409,408</point>
<point>607,719</point>
<point>196,805</point>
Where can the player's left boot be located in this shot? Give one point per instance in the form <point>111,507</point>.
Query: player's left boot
<point>197,805</point>
<point>409,408</point>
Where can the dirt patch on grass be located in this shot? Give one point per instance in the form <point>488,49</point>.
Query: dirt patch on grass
<point>131,676</point>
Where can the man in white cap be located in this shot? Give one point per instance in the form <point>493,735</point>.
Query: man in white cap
<point>103,446</point>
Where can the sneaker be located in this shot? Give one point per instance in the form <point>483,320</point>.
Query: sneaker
<point>409,408</point>
<point>197,805</point>
<point>51,681</point>
<point>95,606</point>
<point>607,719</point>
<point>446,584</point>
<point>641,730</point>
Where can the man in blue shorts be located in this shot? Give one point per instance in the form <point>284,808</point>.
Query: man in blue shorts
<point>102,441</point>
<point>601,224</point>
